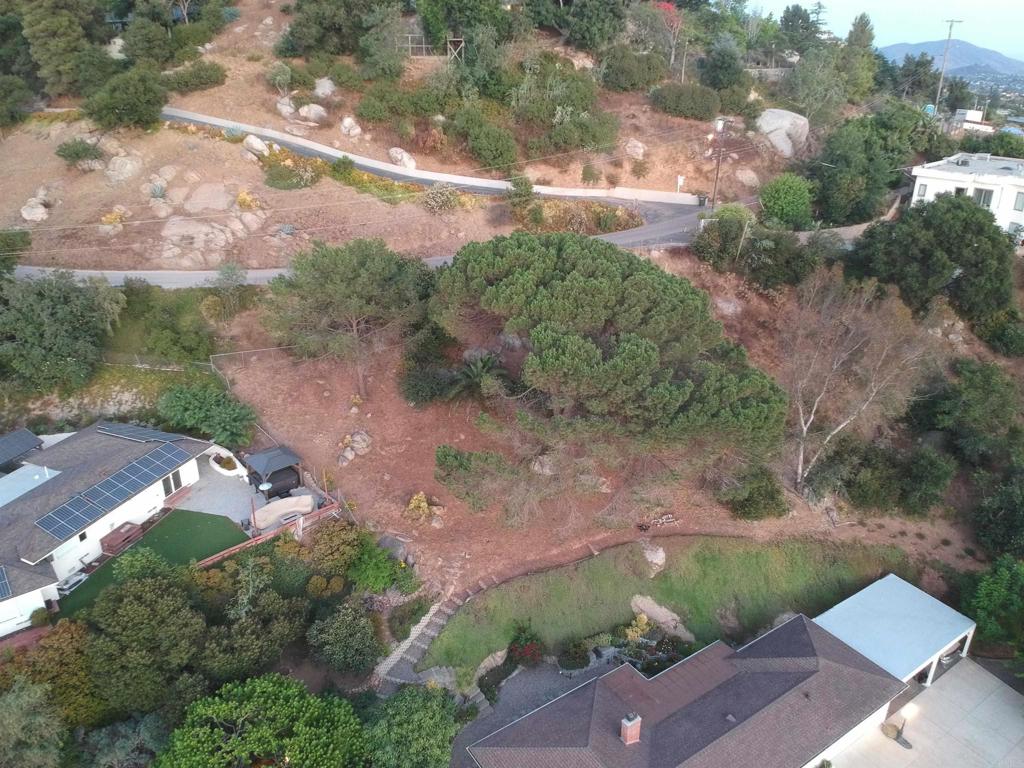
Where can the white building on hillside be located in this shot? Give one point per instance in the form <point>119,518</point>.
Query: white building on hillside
<point>64,505</point>
<point>995,183</point>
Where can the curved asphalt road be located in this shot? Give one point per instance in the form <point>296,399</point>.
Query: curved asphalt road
<point>667,223</point>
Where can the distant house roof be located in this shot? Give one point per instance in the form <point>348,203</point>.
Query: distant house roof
<point>896,625</point>
<point>16,444</point>
<point>776,703</point>
<point>78,464</point>
<point>977,164</point>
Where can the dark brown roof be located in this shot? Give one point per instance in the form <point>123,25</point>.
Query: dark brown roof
<point>775,703</point>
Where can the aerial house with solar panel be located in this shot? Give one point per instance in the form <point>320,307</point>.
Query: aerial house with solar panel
<point>66,504</point>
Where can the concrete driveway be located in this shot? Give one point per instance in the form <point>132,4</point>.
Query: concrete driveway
<point>967,719</point>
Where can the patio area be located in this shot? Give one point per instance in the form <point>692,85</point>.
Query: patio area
<point>217,494</point>
<point>968,718</point>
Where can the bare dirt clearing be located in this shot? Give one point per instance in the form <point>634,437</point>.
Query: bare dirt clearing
<point>174,203</point>
<point>308,405</point>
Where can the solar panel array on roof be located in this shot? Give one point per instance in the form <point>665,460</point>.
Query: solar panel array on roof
<point>75,514</point>
<point>5,585</point>
<point>139,434</point>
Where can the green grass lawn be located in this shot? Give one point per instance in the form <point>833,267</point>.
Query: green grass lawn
<point>180,537</point>
<point>704,579</point>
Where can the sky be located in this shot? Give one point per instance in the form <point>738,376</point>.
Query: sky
<point>995,24</point>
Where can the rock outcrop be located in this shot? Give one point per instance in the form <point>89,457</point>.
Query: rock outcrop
<point>314,113</point>
<point>400,157</point>
<point>122,168</point>
<point>787,131</point>
<point>256,145</point>
<point>636,149</point>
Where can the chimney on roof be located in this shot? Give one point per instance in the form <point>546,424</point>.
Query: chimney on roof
<point>630,730</point>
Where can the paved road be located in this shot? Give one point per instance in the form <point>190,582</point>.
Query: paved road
<point>667,222</point>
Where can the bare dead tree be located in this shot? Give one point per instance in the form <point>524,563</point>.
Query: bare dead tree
<point>853,358</point>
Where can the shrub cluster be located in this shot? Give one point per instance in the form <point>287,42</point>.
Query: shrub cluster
<point>76,150</point>
<point>693,101</point>
<point>494,146</point>
<point>209,411</point>
<point>732,241</point>
<point>884,479</point>
<point>756,495</point>
<point>197,76</point>
<point>622,69</point>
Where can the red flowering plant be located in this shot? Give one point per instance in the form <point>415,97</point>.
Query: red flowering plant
<point>526,647</point>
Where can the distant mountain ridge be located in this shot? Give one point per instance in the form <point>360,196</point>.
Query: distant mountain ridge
<point>961,55</point>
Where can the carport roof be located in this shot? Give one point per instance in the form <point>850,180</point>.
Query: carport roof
<point>896,625</point>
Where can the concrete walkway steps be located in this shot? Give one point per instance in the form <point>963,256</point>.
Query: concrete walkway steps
<point>399,667</point>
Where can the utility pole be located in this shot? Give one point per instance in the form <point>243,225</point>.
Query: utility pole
<point>945,55</point>
<point>720,125</point>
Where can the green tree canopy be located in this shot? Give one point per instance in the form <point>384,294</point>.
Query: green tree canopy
<point>31,732</point>
<point>799,30</point>
<point>331,26</point>
<point>817,85</point>
<point>949,246</point>
<point>57,30</point>
<point>347,639</point>
<point>595,23</point>
<point>957,94</point>
<point>336,300</point>
<point>15,98</point>
<point>787,198</point>
<point>996,602</point>
<point>723,66</point>
<point>917,77</point>
<point>267,720</point>
<point>999,519</point>
<point>614,338</point>
<point>862,32</point>
<point>131,743</point>
<point>853,174</point>
<point>255,640</point>
<point>379,53</point>
<point>145,40</point>
<point>133,98</point>
<point>52,328</point>
<point>980,408</point>
<point>209,411</point>
<point>147,634</point>
<point>414,729</point>
<point>60,662</point>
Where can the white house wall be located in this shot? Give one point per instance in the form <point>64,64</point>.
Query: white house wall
<point>16,612</point>
<point>874,721</point>
<point>1004,191</point>
<point>73,555</point>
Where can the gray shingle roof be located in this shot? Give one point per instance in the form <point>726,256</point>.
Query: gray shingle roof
<point>776,703</point>
<point>17,443</point>
<point>83,459</point>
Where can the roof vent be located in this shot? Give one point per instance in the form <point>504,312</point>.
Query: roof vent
<point>730,717</point>
<point>963,162</point>
<point>630,730</point>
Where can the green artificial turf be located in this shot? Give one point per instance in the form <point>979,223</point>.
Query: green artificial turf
<point>180,537</point>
